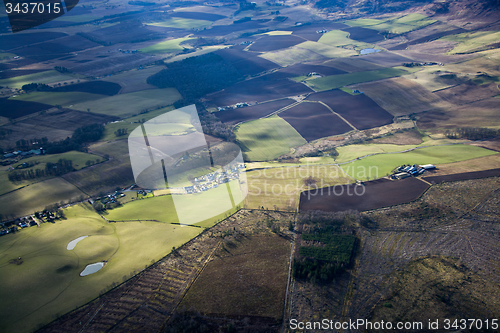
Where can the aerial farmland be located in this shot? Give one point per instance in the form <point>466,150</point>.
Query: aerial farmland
<point>237,166</point>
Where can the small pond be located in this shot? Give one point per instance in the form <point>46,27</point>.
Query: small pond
<point>92,268</point>
<point>368,51</point>
<point>72,244</point>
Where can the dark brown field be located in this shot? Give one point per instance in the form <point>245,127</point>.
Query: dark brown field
<point>386,59</point>
<point>223,30</point>
<point>309,31</point>
<point>260,89</point>
<point>364,34</point>
<point>273,43</point>
<point>125,32</point>
<point>56,49</point>
<point>11,41</point>
<point>372,195</point>
<point>198,16</point>
<point>463,176</point>
<point>11,108</point>
<point>314,121</point>
<point>93,87</point>
<point>361,111</point>
<point>251,112</point>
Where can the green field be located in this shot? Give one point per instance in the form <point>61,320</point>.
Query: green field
<point>77,157</point>
<point>49,267</point>
<point>42,77</point>
<point>341,38</point>
<point>182,23</point>
<point>382,164</point>
<point>4,55</point>
<point>338,81</point>
<point>168,46</point>
<point>204,206</point>
<point>131,123</point>
<point>65,99</point>
<point>267,138</point>
<point>395,26</point>
<point>36,197</point>
<point>124,105</point>
<point>292,56</point>
<point>475,41</point>
<point>327,50</point>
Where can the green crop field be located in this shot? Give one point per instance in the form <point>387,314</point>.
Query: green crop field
<point>267,138</point>
<point>341,38</point>
<point>36,197</point>
<point>42,77</point>
<point>338,81</point>
<point>395,26</point>
<point>79,159</point>
<point>65,99</point>
<point>172,45</point>
<point>327,50</point>
<point>190,207</point>
<point>182,23</point>
<point>475,41</point>
<point>382,164</point>
<point>47,265</point>
<point>124,105</point>
<point>4,55</point>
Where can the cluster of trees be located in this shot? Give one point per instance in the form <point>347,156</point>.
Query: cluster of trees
<point>472,133</point>
<point>61,69</point>
<point>197,76</point>
<point>36,87</point>
<point>81,136</point>
<point>121,131</point>
<point>4,133</point>
<point>51,169</point>
<point>315,271</point>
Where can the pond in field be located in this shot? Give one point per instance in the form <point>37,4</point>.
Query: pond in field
<point>368,51</point>
<point>92,268</point>
<point>72,244</point>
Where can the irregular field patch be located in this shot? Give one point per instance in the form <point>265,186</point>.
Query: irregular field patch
<point>314,121</point>
<point>359,110</point>
<point>14,108</point>
<point>267,139</point>
<point>272,43</point>
<point>43,77</point>
<point>172,45</point>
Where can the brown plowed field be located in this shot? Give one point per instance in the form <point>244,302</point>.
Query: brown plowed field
<point>314,121</point>
<point>463,176</point>
<point>364,34</point>
<point>428,38</point>
<point>372,195</point>
<point>56,49</point>
<point>273,43</point>
<point>252,112</point>
<point>468,92</point>
<point>361,111</point>
<point>260,89</point>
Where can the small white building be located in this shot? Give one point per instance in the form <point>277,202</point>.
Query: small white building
<point>428,166</point>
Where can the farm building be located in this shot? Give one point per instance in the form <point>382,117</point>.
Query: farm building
<point>428,166</point>
<point>402,175</point>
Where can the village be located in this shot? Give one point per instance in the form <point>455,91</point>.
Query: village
<point>213,180</point>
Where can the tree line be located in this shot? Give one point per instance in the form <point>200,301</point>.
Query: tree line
<point>472,133</point>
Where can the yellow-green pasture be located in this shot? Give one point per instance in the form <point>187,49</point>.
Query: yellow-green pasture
<point>48,284</point>
<point>124,105</point>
